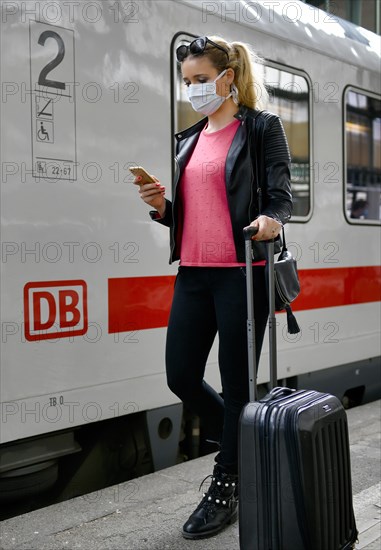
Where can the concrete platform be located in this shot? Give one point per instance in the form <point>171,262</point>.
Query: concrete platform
<point>148,512</point>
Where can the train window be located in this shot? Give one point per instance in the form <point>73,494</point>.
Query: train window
<point>289,98</point>
<point>362,157</point>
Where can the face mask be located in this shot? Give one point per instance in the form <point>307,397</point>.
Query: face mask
<point>204,98</point>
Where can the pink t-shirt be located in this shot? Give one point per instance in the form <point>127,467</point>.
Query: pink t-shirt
<point>207,237</point>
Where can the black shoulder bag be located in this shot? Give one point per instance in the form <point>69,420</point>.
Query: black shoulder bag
<point>287,286</point>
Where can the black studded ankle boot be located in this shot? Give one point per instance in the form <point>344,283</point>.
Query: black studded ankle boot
<point>218,507</point>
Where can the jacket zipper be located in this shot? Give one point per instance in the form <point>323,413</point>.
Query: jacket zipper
<point>173,241</point>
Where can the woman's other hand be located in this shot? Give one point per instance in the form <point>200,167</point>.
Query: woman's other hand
<point>268,228</point>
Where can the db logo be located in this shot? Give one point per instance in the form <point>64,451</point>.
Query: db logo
<point>55,309</point>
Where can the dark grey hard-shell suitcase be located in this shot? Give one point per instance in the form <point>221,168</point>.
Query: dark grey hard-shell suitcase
<point>294,464</point>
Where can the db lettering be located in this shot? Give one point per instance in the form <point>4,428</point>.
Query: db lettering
<point>55,309</point>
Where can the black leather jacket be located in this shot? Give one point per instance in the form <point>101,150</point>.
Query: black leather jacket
<point>259,153</point>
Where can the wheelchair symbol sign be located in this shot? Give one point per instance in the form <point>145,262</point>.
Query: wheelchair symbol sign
<point>44,131</point>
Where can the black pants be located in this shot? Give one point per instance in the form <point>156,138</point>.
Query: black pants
<point>206,301</point>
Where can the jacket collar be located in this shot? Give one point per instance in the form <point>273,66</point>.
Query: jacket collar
<point>242,114</point>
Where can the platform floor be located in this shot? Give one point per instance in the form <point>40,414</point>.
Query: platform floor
<point>148,512</point>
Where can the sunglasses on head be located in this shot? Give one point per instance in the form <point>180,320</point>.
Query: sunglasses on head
<point>196,47</point>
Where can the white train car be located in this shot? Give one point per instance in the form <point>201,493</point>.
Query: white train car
<point>90,88</point>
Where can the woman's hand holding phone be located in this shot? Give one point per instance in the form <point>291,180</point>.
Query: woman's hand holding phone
<point>150,189</point>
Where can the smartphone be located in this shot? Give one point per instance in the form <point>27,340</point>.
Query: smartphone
<point>139,171</point>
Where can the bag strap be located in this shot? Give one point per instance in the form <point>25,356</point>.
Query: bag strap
<point>260,157</point>
<point>292,325</point>
<point>256,156</point>
<point>284,245</point>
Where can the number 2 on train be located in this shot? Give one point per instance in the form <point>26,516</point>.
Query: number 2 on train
<point>42,80</point>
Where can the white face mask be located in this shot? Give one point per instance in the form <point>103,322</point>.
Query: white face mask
<point>204,98</point>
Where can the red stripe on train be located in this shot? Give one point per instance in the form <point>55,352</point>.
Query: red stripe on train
<point>339,286</point>
<point>137,303</point>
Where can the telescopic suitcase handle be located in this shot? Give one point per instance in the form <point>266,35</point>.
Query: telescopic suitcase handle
<point>249,232</point>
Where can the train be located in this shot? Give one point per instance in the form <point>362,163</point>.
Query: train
<point>92,88</point>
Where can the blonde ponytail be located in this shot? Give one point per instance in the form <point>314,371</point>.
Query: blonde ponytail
<point>248,78</point>
<point>248,71</point>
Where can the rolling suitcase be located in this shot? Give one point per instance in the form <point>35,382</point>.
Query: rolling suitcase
<point>294,464</point>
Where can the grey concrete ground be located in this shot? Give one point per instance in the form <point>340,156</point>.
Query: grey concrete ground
<point>147,513</point>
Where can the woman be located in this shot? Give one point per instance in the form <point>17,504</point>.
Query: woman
<point>215,194</point>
